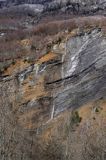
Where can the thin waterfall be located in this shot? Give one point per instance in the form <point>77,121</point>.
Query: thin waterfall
<point>52,113</point>
<point>53,106</point>
<point>63,59</point>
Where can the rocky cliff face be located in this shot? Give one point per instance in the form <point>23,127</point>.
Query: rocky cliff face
<point>72,74</point>
<point>83,62</point>
<point>53,84</point>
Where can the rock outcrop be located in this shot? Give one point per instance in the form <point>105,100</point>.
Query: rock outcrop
<point>82,70</point>
<point>53,81</point>
<point>72,74</point>
<point>32,95</point>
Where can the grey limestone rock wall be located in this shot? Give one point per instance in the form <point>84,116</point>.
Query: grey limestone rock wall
<point>83,72</point>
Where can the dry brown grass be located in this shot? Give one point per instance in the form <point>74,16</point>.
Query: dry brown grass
<point>52,28</point>
<point>43,36</point>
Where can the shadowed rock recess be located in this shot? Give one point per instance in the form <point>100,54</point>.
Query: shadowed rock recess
<point>53,93</point>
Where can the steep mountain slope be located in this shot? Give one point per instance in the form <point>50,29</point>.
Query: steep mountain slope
<point>70,75</point>
<point>53,80</point>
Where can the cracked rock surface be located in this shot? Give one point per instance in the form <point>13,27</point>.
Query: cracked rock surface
<point>71,75</point>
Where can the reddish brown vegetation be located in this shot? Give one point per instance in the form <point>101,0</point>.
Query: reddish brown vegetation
<point>52,28</point>
<point>42,37</point>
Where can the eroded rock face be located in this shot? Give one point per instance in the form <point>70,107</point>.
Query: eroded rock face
<point>83,71</point>
<point>72,74</point>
